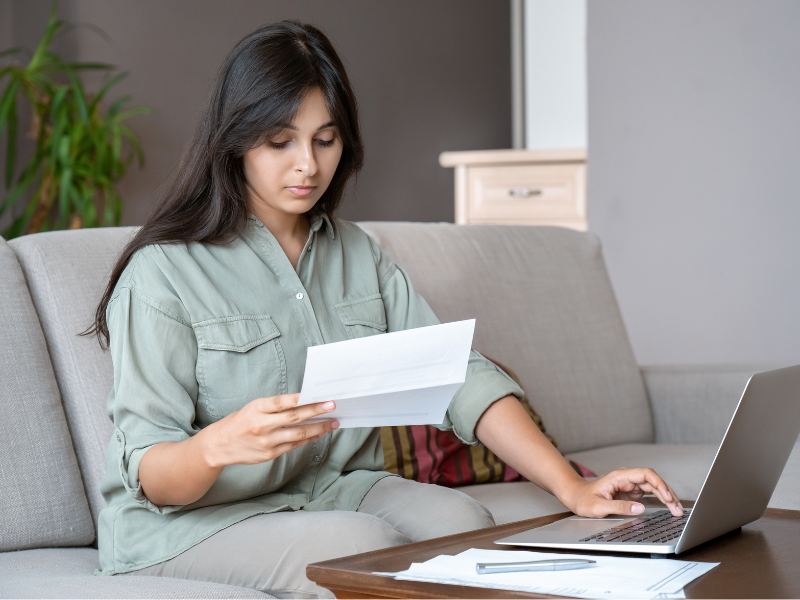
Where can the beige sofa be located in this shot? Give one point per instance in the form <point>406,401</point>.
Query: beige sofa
<point>544,306</point>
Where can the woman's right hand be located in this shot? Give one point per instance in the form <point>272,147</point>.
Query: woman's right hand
<point>264,429</point>
<point>179,473</point>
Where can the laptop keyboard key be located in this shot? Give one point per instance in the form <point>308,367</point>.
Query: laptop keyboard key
<point>660,527</point>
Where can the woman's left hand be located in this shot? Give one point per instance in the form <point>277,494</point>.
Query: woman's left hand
<point>617,492</point>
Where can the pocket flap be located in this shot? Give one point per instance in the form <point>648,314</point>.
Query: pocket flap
<point>237,334</point>
<point>367,311</point>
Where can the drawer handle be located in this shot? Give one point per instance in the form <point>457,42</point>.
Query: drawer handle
<point>523,192</point>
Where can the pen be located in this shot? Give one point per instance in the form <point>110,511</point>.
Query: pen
<point>562,564</point>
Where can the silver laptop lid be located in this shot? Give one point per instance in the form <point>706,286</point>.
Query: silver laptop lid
<point>751,458</point>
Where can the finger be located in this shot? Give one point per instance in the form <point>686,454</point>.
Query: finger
<point>304,432</point>
<point>649,481</point>
<point>646,479</point>
<point>674,503</point>
<point>289,446</point>
<point>275,404</point>
<point>298,414</point>
<point>645,488</point>
<point>602,508</point>
<point>635,494</point>
<point>678,500</point>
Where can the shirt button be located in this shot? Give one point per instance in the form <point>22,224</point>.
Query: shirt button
<point>299,296</point>
<point>309,248</point>
<point>119,438</point>
<point>316,458</point>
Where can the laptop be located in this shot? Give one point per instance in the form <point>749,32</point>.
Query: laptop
<point>736,491</point>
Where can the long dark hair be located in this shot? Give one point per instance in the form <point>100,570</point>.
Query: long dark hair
<point>257,93</point>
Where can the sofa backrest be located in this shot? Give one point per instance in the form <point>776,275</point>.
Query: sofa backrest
<point>545,308</point>
<point>541,296</point>
<point>67,272</point>
<point>42,501</point>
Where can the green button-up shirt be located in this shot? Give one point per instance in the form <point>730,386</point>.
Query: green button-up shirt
<point>198,331</point>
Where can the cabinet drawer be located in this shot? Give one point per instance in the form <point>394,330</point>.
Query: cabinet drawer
<point>527,192</point>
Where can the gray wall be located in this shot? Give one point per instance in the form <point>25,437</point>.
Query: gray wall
<point>693,124</point>
<point>6,39</point>
<point>694,174</point>
<point>429,75</point>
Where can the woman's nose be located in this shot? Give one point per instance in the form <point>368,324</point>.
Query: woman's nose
<point>306,162</point>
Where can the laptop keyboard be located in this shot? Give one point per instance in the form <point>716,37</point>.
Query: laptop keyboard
<point>658,528</point>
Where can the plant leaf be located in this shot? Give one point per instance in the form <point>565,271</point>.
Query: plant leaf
<point>8,119</point>
<point>60,125</point>
<point>23,183</point>
<point>134,142</point>
<point>15,229</point>
<point>114,108</point>
<point>63,194</point>
<point>79,95</point>
<point>104,88</point>
<point>63,149</point>
<point>10,51</point>
<point>127,114</point>
<point>11,147</point>
<point>53,25</point>
<point>89,66</point>
<point>58,100</point>
<point>8,102</point>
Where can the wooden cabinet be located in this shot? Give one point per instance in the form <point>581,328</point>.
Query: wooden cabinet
<point>522,187</point>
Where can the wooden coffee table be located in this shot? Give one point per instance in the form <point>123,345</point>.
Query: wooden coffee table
<point>760,560</point>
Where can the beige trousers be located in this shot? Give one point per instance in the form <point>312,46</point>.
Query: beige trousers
<point>270,552</point>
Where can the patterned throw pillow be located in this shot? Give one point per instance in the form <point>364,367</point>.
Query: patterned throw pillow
<point>426,454</point>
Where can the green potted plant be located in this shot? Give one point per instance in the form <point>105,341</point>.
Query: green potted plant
<point>81,149</point>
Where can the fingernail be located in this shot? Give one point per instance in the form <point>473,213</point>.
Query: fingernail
<point>637,508</point>
<point>681,506</point>
<point>334,424</point>
<point>329,405</point>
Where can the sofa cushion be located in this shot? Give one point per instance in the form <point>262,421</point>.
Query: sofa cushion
<point>545,307</point>
<point>67,573</point>
<point>514,501</point>
<point>67,272</point>
<point>684,467</point>
<point>42,501</point>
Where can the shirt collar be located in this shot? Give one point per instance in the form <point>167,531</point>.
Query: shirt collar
<point>317,218</point>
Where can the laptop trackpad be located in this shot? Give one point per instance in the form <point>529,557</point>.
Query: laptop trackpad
<point>573,529</point>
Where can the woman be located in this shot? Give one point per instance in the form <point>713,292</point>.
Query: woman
<point>208,315</point>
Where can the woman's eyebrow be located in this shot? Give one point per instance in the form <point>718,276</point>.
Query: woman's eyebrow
<point>320,128</point>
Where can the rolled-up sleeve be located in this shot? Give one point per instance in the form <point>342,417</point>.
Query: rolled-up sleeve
<point>155,384</point>
<point>485,383</point>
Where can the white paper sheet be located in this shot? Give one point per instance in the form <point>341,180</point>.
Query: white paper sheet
<point>611,577</point>
<point>401,378</point>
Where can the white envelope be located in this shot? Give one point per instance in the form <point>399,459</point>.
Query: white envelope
<point>401,378</point>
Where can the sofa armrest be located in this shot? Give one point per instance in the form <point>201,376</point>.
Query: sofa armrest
<point>693,404</point>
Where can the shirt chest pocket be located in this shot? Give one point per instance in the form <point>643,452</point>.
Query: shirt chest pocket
<point>363,317</point>
<point>239,359</point>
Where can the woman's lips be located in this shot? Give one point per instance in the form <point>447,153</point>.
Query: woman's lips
<point>301,190</point>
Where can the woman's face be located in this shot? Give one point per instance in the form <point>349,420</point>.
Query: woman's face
<point>290,171</point>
